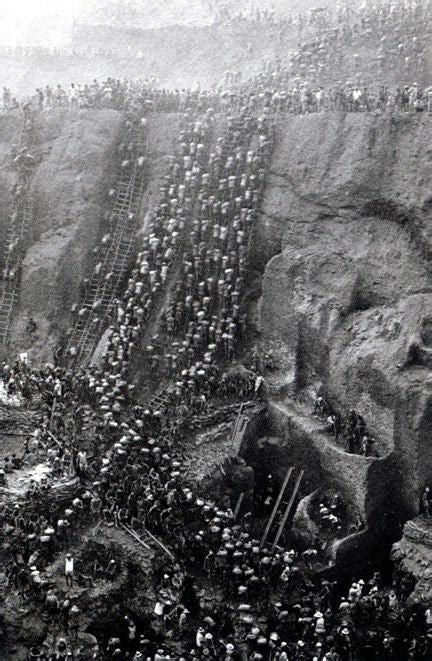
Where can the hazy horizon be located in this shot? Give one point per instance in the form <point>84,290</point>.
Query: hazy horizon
<point>49,22</point>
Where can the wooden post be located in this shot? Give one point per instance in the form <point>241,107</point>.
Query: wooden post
<point>155,539</point>
<point>276,507</point>
<point>239,502</point>
<point>236,422</point>
<point>135,536</point>
<point>288,509</point>
<point>54,438</point>
<point>52,413</point>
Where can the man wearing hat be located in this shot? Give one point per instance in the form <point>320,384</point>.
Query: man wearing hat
<point>199,638</point>
<point>74,616</point>
<point>229,651</point>
<point>300,651</point>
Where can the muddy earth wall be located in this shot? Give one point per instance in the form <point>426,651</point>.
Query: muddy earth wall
<point>10,128</point>
<point>69,206</point>
<point>344,245</point>
<point>345,234</point>
<point>68,197</point>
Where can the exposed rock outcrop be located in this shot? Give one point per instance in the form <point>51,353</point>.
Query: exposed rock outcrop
<point>412,557</point>
<point>346,302</point>
<point>68,199</point>
<point>78,153</point>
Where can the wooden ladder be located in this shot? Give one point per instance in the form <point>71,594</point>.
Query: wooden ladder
<point>288,509</point>
<point>276,506</point>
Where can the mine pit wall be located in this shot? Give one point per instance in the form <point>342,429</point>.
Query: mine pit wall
<point>69,201</point>
<point>10,128</point>
<point>348,203</point>
<point>369,487</point>
<point>324,464</point>
<point>413,442</point>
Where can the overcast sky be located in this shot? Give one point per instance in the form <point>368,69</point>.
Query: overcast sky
<point>50,21</point>
<point>35,20</point>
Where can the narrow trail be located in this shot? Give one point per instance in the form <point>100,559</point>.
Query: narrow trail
<point>312,427</point>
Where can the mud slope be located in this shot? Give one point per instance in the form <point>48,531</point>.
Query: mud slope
<point>68,196</point>
<point>10,128</point>
<point>347,303</point>
<point>69,204</point>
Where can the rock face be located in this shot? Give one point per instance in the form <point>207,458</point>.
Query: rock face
<point>69,202</point>
<point>346,303</point>
<point>10,127</point>
<point>68,198</point>
<point>412,557</point>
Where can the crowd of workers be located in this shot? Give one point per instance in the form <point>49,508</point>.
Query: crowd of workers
<point>398,30</point>
<point>126,460</point>
<point>328,37</point>
<point>360,42</point>
<point>352,428</point>
<point>275,87</point>
<point>23,162</point>
<point>306,80</point>
<point>156,500</point>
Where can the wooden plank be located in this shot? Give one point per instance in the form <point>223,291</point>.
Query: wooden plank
<point>133,534</point>
<point>276,506</point>
<point>162,546</point>
<point>239,503</point>
<point>54,438</point>
<point>52,413</point>
<point>236,423</point>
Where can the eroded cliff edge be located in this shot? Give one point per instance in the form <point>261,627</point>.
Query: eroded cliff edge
<point>77,164</point>
<point>345,234</point>
<point>344,242</point>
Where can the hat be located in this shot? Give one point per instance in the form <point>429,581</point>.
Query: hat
<point>230,647</point>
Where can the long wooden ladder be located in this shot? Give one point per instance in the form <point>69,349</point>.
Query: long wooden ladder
<point>276,506</point>
<point>288,509</point>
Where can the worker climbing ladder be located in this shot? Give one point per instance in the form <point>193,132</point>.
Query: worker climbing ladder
<point>104,286</point>
<point>17,231</point>
<point>160,401</point>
